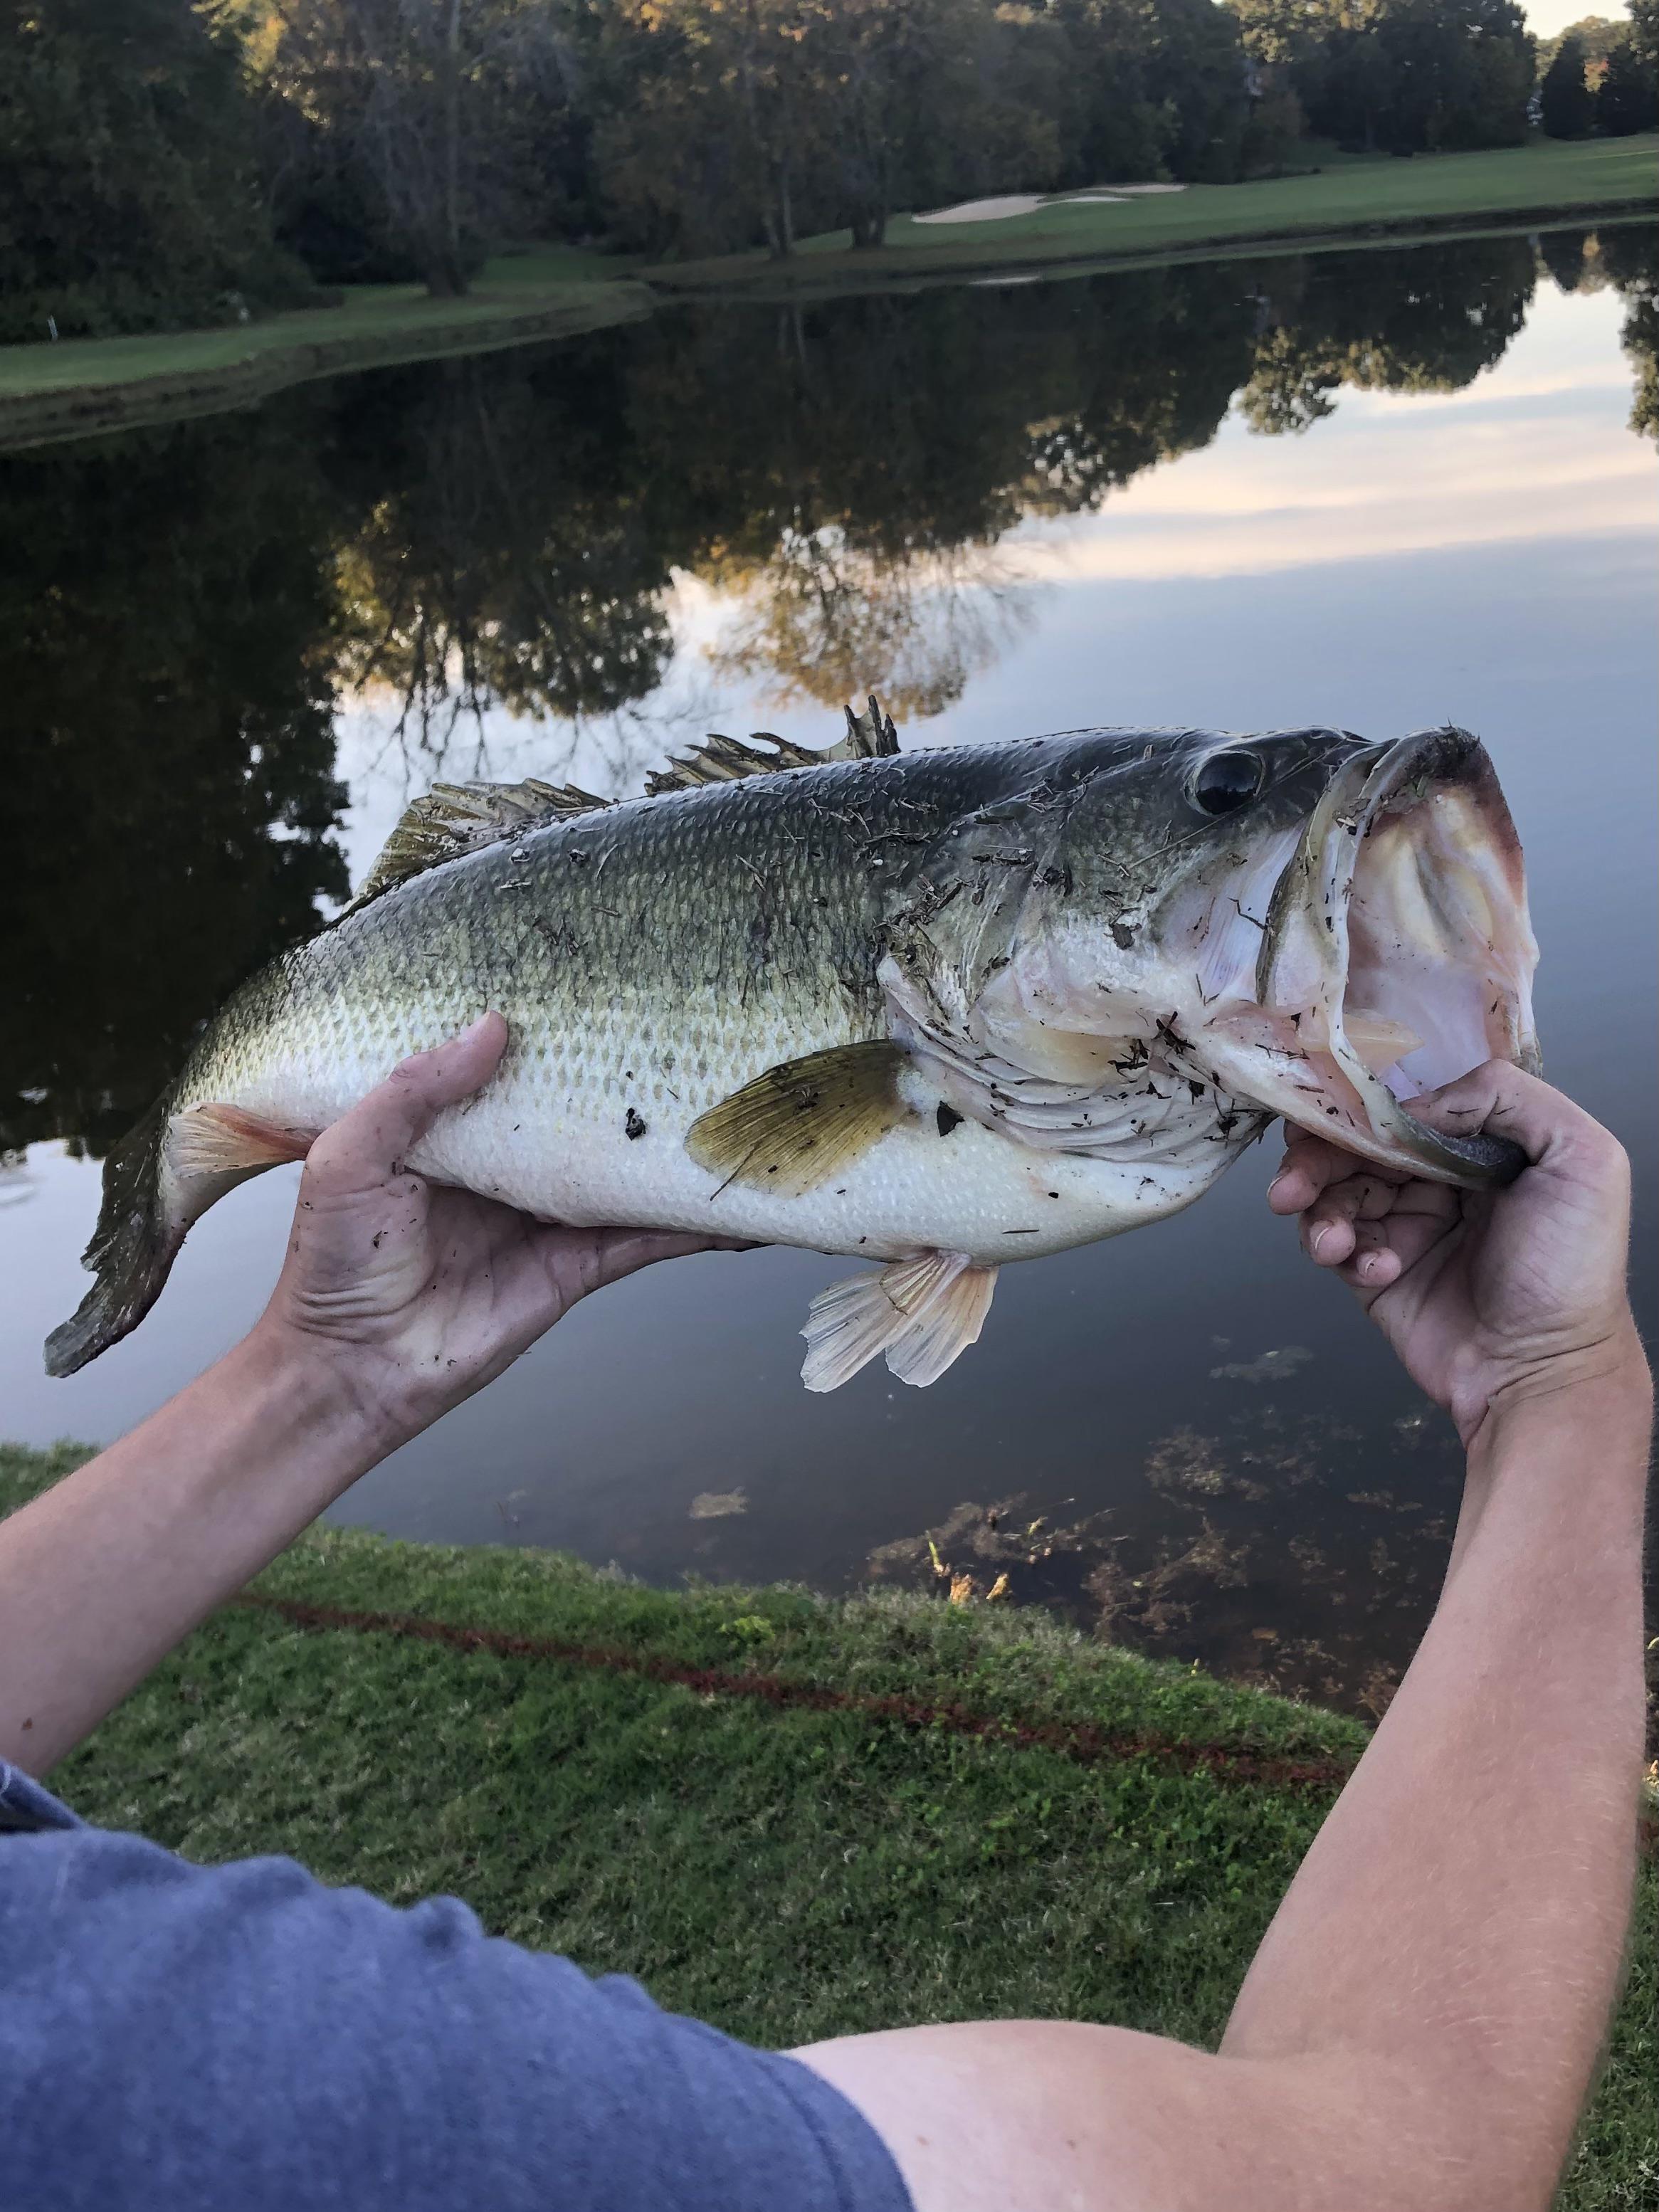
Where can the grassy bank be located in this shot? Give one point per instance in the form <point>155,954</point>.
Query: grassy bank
<point>81,385</point>
<point>796,1817</point>
<point>1548,180</point>
<point>52,392</point>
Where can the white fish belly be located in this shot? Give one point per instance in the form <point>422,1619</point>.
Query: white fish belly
<point>550,1136</point>
<point>972,1191</point>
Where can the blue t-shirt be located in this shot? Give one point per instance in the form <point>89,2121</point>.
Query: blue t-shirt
<point>183,2039</point>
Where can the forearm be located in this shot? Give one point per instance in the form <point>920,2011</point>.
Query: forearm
<point>1458,1923</point>
<point>102,1575</point>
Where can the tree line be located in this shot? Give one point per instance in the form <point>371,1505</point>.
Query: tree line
<point>1599,75</point>
<point>171,161</point>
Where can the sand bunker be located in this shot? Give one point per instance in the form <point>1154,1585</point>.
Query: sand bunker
<point>995,211</point>
<point>986,210</point>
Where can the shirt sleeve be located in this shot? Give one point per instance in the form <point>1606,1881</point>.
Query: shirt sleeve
<point>189,2037</point>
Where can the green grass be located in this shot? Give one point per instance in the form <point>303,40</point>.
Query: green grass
<point>547,276</point>
<point>1544,179</point>
<point>49,392</point>
<point>786,1873</point>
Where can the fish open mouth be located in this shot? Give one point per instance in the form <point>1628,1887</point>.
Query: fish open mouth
<point>1398,953</point>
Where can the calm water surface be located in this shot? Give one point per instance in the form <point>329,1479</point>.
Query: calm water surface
<point>1377,489</point>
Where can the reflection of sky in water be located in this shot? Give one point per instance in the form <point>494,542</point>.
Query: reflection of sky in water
<point>1486,556</point>
<point>1537,441</point>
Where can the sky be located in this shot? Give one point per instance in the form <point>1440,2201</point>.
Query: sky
<point>1545,17</point>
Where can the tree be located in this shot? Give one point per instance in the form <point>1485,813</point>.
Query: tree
<point>126,178</point>
<point>403,106</point>
<point>706,130</point>
<point>1566,106</point>
<point>1628,97</point>
<point>1597,35</point>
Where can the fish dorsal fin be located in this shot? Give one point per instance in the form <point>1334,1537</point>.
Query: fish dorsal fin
<point>870,736</point>
<point>453,819</point>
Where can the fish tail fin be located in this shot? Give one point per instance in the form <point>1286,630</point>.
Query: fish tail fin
<point>162,1178</point>
<point>921,1313</point>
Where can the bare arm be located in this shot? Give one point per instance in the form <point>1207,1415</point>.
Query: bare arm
<point>1420,2025</point>
<point>396,1302</point>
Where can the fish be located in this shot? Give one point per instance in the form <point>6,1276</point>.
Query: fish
<point>941,1008</point>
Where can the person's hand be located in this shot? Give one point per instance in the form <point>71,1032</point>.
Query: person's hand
<point>1484,1294</point>
<point>416,1294</point>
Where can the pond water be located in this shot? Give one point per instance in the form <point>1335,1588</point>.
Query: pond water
<point>1378,489</point>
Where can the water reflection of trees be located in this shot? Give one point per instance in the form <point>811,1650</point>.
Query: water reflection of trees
<point>1626,257</point>
<point>182,608</point>
<point>841,471</point>
<point>1451,314</point>
<point>167,627</point>
<point>503,555</point>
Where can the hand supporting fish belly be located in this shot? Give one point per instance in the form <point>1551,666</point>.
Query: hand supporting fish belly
<point>939,1009</point>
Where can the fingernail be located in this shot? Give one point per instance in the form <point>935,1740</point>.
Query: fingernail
<point>1322,1237</point>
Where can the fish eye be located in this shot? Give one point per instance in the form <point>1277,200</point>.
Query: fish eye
<point>1227,781</point>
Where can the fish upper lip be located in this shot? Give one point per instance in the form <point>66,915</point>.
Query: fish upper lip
<point>1310,912</point>
<point>1373,775</point>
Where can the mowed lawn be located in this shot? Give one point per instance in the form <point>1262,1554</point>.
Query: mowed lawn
<point>793,1816</point>
<point>1549,176</point>
<point>571,289</point>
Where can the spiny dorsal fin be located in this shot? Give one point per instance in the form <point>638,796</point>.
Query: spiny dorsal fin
<point>795,1126</point>
<point>459,818</point>
<point>870,736</point>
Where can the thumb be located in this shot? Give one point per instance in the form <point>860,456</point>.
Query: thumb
<point>1499,1100</point>
<point>369,1142</point>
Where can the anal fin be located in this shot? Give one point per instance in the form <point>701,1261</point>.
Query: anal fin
<point>921,1313</point>
<point>218,1140</point>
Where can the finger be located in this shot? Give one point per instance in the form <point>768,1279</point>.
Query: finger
<point>1375,1260</point>
<point>1309,1165</point>
<point>1497,1099</point>
<point>1330,1225</point>
<point>1328,1239</point>
<point>369,1142</point>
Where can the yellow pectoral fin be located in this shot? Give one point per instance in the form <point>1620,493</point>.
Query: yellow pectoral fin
<point>797,1125</point>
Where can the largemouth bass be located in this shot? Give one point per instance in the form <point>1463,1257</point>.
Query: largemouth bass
<point>940,1009</point>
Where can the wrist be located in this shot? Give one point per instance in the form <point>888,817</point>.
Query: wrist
<point>1601,1392</point>
<point>313,1395</point>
